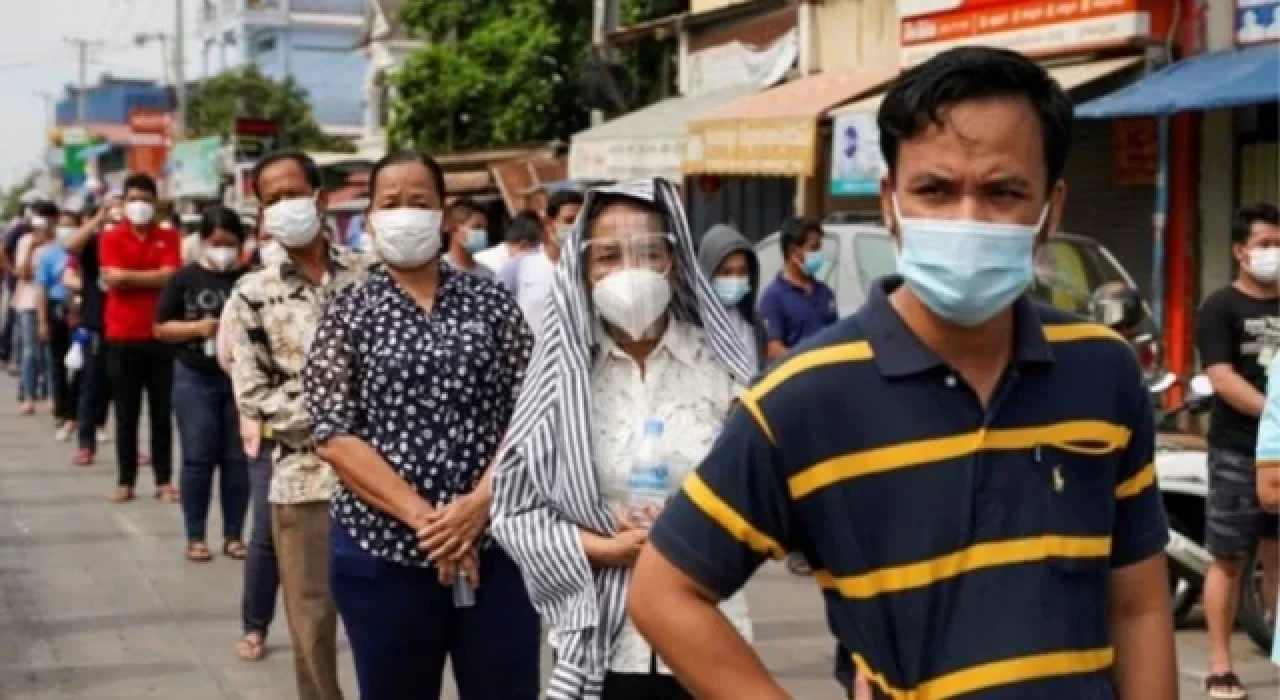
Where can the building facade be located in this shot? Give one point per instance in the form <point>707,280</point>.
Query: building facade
<point>315,41</point>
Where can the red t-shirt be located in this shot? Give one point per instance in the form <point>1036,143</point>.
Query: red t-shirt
<point>131,313</point>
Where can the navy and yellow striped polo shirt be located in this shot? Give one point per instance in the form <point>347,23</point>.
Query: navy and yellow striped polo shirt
<point>962,550</point>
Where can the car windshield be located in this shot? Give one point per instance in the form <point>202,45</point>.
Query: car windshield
<point>1068,270</point>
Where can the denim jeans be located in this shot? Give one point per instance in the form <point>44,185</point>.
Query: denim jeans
<point>209,431</point>
<point>95,392</point>
<point>62,389</point>
<point>32,385</point>
<point>261,571</point>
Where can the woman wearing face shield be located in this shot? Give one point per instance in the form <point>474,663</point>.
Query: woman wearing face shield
<point>410,381</point>
<point>637,367</point>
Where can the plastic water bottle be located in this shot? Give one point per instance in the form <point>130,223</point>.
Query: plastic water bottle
<point>649,481</point>
<point>74,359</point>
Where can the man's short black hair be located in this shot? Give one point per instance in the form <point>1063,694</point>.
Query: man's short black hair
<point>141,181</point>
<point>795,230</point>
<point>1246,216</point>
<point>310,170</point>
<point>525,229</point>
<point>562,198</point>
<point>919,98</point>
<point>46,209</point>
<point>464,208</point>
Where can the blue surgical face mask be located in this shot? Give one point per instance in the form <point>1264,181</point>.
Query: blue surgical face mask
<point>813,261</point>
<point>966,272</point>
<point>476,240</point>
<point>731,290</point>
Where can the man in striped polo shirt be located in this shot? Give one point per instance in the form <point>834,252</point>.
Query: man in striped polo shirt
<point>970,473</point>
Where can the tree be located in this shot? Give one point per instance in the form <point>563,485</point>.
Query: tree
<point>502,72</point>
<point>215,102</point>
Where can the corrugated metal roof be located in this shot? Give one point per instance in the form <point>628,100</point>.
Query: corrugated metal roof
<point>667,118</point>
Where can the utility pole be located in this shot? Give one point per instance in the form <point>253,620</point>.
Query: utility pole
<point>179,72</point>
<point>82,47</point>
<point>604,19</point>
<point>50,115</point>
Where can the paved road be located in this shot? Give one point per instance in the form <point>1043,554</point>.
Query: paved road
<point>97,603</point>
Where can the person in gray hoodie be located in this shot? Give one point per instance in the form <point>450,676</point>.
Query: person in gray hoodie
<point>729,261</point>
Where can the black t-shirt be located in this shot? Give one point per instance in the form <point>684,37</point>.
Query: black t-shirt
<point>93,293</point>
<point>1244,332</point>
<point>192,294</point>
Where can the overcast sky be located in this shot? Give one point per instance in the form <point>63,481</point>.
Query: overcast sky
<point>34,59</point>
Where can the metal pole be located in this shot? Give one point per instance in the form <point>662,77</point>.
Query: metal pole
<point>82,55</point>
<point>1158,222</point>
<point>179,72</point>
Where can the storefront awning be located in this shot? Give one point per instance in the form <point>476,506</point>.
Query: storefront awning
<point>774,132</point>
<point>1219,80</point>
<point>646,143</point>
<point>1069,77</point>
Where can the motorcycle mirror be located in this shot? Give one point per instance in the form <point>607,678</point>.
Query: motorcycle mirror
<point>1162,384</point>
<point>1201,386</point>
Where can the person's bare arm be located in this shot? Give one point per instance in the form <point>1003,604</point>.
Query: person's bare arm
<point>369,477</point>
<point>1235,390</point>
<point>80,239</point>
<point>72,280</point>
<point>119,278</point>
<point>682,620</point>
<point>42,313</point>
<point>181,331</point>
<point>775,350</point>
<point>1142,631</point>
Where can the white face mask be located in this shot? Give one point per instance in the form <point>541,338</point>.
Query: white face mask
<point>406,237</point>
<point>272,253</point>
<point>293,222</point>
<point>632,300</point>
<point>64,233</point>
<point>139,213</point>
<point>1264,264</point>
<point>221,258</point>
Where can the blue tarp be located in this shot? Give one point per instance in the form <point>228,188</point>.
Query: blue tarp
<point>1219,80</point>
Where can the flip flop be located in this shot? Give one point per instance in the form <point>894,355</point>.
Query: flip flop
<point>1225,686</point>
<point>199,552</point>
<point>235,549</point>
<point>251,647</point>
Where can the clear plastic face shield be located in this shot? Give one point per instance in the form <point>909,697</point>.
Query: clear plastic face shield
<point>628,264</point>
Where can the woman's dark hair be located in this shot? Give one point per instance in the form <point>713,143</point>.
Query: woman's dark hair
<point>47,209</point>
<point>310,170</point>
<point>561,199</point>
<point>1242,223</point>
<point>525,229</point>
<point>920,96</point>
<point>795,230</point>
<point>219,217</point>
<point>409,156</point>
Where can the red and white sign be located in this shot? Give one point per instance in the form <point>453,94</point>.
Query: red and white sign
<point>149,140</point>
<point>1033,27</point>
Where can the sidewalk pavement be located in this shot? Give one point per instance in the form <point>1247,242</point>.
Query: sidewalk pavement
<point>97,602</point>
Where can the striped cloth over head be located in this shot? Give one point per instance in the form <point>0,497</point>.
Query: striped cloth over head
<point>546,487</point>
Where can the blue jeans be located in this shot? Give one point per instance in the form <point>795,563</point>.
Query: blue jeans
<point>402,625</point>
<point>95,392</point>
<point>261,571</point>
<point>33,358</point>
<point>209,431</point>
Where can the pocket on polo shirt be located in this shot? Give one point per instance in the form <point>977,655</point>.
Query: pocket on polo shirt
<point>1079,497</point>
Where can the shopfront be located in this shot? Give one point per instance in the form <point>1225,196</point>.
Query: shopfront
<point>770,145</point>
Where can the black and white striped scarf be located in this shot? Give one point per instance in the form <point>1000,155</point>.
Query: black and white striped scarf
<point>546,486</point>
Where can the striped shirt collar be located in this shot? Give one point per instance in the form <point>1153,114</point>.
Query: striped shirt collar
<point>899,352</point>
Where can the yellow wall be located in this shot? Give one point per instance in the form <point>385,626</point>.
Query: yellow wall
<point>700,6</point>
<point>855,33</point>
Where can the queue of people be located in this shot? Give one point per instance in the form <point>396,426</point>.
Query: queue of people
<point>602,429</point>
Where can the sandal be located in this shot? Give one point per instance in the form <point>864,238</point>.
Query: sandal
<point>235,549</point>
<point>251,647</point>
<point>1225,686</point>
<point>167,493</point>
<point>198,552</point>
<point>122,494</point>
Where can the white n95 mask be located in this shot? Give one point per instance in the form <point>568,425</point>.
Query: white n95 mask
<point>632,299</point>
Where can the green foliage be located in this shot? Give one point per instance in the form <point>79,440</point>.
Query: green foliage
<point>215,102</point>
<point>505,72</point>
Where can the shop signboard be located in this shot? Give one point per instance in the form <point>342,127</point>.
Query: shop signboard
<point>1135,152</point>
<point>148,141</point>
<point>195,168</point>
<point>1033,27</point>
<point>857,164</point>
<point>1257,21</point>
<point>780,146</point>
<point>255,138</point>
<point>626,159</point>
